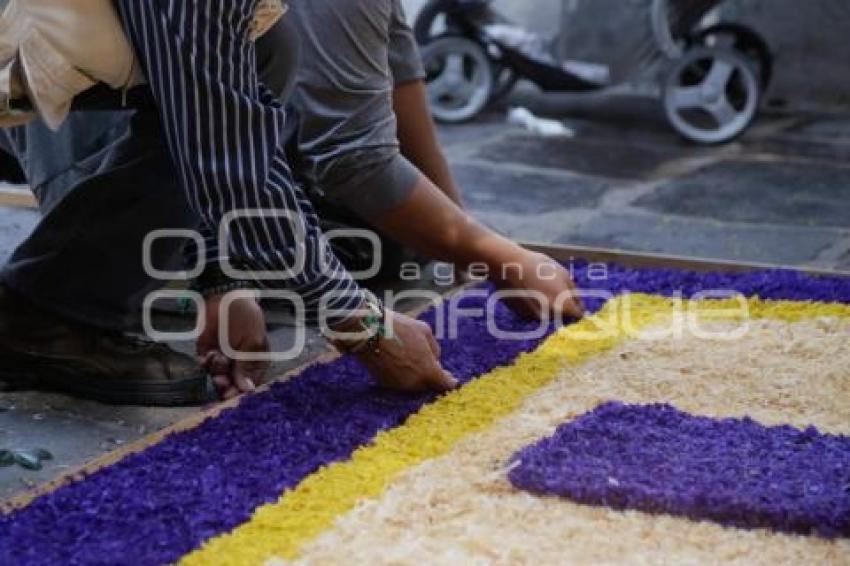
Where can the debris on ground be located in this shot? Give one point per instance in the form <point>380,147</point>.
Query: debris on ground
<point>27,459</point>
<point>543,127</point>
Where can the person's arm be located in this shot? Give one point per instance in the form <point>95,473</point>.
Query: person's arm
<point>434,226</point>
<point>225,135</point>
<point>432,220</point>
<point>417,134</point>
<point>418,137</point>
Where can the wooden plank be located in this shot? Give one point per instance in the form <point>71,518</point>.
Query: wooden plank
<point>17,198</point>
<point>194,421</point>
<point>649,260</point>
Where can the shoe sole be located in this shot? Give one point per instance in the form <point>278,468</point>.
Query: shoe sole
<point>25,373</point>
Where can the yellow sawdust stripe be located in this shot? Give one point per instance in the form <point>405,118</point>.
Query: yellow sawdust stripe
<point>281,529</point>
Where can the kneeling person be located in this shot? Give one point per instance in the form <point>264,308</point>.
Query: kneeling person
<point>364,144</point>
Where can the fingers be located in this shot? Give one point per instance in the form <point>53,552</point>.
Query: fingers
<point>208,340</point>
<point>578,304</point>
<point>218,366</point>
<point>234,387</point>
<point>245,377</point>
<point>225,387</point>
<point>444,382</point>
<point>575,304</point>
<point>217,363</point>
<point>573,308</point>
<point>433,344</point>
<point>233,378</point>
<point>231,393</point>
<point>569,301</point>
<point>438,379</point>
<point>411,364</point>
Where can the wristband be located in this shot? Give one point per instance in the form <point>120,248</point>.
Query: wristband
<point>373,324</point>
<point>213,281</point>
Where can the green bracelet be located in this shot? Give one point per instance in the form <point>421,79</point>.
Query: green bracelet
<point>375,325</point>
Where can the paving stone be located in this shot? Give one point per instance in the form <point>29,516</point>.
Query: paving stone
<point>612,160</point>
<point>463,135</point>
<point>629,114</point>
<point>73,431</point>
<point>543,228</point>
<point>843,262</point>
<point>832,128</point>
<point>759,192</point>
<point>801,148</point>
<point>681,236</point>
<point>491,190</point>
<point>15,225</point>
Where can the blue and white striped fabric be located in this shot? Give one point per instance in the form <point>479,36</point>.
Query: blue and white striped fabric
<point>225,134</point>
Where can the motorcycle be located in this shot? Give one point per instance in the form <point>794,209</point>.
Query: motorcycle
<point>712,77</point>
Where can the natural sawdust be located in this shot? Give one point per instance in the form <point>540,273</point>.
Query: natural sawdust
<point>461,509</point>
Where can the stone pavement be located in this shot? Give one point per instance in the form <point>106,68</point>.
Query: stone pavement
<point>779,195</point>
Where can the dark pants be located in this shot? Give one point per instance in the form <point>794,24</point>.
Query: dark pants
<point>105,181</point>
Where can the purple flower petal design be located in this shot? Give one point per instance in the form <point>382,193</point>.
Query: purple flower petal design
<point>657,459</point>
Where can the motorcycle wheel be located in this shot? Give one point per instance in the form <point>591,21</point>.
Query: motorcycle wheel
<point>431,12</point>
<point>742,39</point>
<point>459,76</point>
<point>712,95</point>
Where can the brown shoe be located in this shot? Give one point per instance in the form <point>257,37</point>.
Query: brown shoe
<point>40,351</point>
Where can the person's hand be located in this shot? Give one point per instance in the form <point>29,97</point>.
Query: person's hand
<point>408,359</point>
<point>551,284</point>
<point>246,330</point>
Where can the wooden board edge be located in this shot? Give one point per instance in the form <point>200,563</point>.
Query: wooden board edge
<point>79,473</point>
<point>567,253</point>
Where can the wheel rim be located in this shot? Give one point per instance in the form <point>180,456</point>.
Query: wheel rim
<point>737,38</point>
<point>712,96</point>
<point>460,79</point>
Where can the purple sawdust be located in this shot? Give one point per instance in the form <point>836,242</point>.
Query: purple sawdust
<point>774,285</point>
<point>659,460</point>
<point>154,507</point>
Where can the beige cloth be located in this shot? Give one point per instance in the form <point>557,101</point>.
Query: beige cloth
<point>52,50</point>
<point>266,14</point>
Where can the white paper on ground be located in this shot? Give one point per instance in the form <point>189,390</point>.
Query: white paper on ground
<point>543,127</point>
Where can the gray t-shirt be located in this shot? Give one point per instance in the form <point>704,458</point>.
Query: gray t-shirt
<point>353,53</point>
